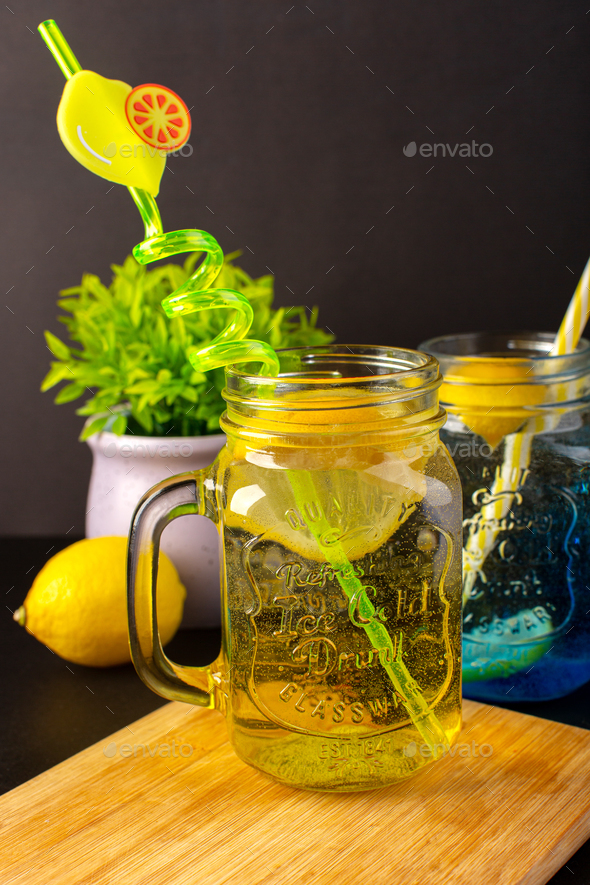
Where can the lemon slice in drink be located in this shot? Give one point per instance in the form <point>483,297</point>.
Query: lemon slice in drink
<point>491,397</point>
<point>365,489</point>
<point>365,496</point>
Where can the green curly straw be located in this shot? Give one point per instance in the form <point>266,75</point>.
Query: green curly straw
<point>230,347</point>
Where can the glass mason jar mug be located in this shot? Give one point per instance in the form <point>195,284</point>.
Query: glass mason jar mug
<point>519,430</point>
<point>339,512</point>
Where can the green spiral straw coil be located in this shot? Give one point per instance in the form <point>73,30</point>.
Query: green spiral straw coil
<point>230,346</point>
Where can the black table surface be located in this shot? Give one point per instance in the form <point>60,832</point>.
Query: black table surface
<point>53,709</point>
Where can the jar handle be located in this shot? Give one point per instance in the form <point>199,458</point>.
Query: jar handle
<point>178,496</point>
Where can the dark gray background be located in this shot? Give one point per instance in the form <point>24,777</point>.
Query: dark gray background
<point>298,151</point>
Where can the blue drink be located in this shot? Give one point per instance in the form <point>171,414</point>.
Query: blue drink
<point>526,603</point>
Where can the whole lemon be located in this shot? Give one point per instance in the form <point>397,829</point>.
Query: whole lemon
<point>77,605</point>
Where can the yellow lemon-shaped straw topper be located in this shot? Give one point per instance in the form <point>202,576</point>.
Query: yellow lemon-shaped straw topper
<point>492,396</point>
<point>93,126</point>
<point>77,605</point>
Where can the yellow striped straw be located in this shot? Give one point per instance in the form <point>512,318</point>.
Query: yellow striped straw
<point>496,511</point>
<point>575,319</point>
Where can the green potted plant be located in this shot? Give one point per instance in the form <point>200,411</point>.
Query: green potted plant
<point>149,414</point>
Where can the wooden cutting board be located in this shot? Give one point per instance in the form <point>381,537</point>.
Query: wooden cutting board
<point>204,817</point>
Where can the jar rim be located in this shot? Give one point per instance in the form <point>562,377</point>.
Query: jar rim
<point>402,362</point>
<point>460,352</point>
<point>513,345</point>
<point>321,390</point>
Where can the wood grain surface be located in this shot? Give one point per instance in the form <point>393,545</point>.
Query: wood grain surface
<point>514,816</point>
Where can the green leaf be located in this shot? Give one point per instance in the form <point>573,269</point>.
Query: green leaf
<point>90,407</point>
<point>190,394</point>
<point>148,386</point>
<point>143,402</point>
<point>93,427</point>
<point>57,347</point>
<point>136,307</point>
<point>69,392</point>
<point>58,372</point>
<point>144,419</point>
<point>119,425</point>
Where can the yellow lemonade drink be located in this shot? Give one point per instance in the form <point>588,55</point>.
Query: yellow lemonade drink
<point>326,527</point>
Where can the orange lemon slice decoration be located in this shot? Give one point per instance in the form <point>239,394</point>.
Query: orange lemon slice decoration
<point>158,116</point>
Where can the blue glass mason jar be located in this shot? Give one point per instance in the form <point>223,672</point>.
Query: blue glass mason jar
<point>518,429</point>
